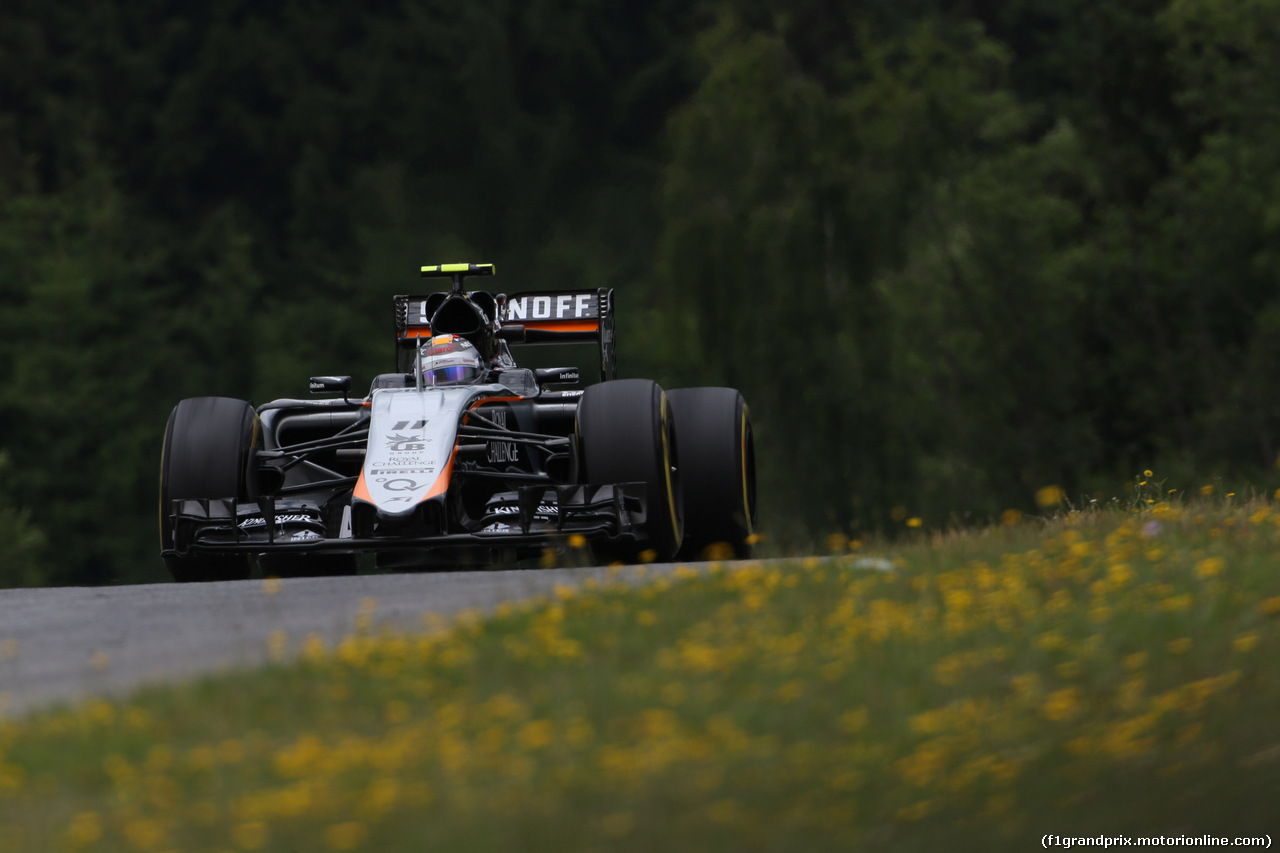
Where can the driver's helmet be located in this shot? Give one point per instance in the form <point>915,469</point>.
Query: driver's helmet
<point>450,360</point>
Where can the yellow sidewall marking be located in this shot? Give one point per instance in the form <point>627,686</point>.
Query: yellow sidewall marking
<point>164,452</point>
<point>746,496</point>
<point>666,469</point>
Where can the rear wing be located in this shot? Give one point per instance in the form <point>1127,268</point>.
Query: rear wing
<point>536,317</point>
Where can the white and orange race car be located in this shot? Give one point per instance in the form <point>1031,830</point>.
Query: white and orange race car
<point>455,467</point>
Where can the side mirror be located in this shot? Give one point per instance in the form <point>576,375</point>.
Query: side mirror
<point>556,375</point>
<point>331,384</point>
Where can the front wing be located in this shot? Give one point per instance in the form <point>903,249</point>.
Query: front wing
<point>535,515</point>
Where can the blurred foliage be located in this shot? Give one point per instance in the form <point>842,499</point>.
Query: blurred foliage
<point>1116,669</point>
<point>25,545</point>
<point>973,259</point>
<point>951,252</point>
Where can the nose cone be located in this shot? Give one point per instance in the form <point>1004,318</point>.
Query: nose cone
<point>410,454</point>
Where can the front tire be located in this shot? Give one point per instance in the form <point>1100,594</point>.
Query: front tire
<point>626,434</point>
<point>207,453</point>
<point>718,462</point>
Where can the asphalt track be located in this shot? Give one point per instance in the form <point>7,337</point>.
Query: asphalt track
<point>65,644</point>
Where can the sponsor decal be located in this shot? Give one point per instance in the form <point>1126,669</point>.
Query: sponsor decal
<point>406,443</point>
<point>416,314</point>
<point>508,509</point>
<point>498,416</point>
<point>376,471</point>
<point>503,451</point>
<point>401,461</point>
<point>497,527</point>
<point>306,536</point>
<point>402,425</point>
<point>550,306</point>
<point>284,518</point>
<point>401,484</point>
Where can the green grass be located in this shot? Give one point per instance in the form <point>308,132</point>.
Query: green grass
<point>1105,673</point>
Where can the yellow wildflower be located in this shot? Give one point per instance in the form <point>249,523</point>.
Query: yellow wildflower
<point>144,834</point>
<point>535,734</point>
<point>1210,567</point>
<point>1245,642</point>
<point>277,645</point>
<point>674,693</point>
<point>1062,704</point>
<point>1130,693</point>
<point>1027,686</point>
<point>1050,496</point>
<point>854,721</point>
<point>1137,660</point>
<point>85,829</point>
<point>1068,669</point>
<point>1119,574</point>
<point>251,835</point>
<point>346,836</point>
<point>313,647</point>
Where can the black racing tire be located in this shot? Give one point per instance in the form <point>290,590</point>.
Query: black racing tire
<point>718,470</point>
<point>625,435</point>
<point>307,565</point>
<point>208,453</point>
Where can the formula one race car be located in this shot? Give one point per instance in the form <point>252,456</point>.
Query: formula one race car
<point>460,458</point>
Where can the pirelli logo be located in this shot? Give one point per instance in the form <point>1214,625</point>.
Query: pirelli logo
<point>551,306</point>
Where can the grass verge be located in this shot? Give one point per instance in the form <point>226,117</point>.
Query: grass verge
<point>1107,673</point>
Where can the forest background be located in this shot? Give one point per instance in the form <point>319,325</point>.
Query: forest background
<point>952,252</point>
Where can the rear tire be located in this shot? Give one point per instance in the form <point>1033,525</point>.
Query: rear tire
<point>717,446</point>
<point>626,434</point>
<point>207,453</point>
